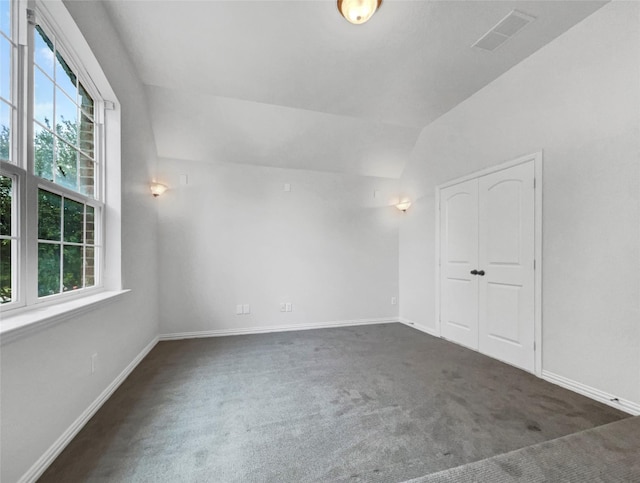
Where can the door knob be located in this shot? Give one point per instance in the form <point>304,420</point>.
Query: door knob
<point>481,273</point>
<point>473,272</point>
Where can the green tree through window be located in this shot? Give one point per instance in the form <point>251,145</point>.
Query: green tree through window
<point>65,164</point>
<point>5,243</point>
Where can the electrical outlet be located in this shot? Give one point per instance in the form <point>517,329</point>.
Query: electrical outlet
<point>288,307</point>
<point>238,309</point>
<point>246,309</point>
<point>394,300</point>
<point>283,307</point>
<point>94,359</point>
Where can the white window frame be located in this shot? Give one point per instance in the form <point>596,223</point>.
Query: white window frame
<point>15,169</point>
<point>53,16</point>
<point>18,251</point>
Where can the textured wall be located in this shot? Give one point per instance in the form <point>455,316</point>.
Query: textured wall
<point>577,100</point>
<point>233,236</point>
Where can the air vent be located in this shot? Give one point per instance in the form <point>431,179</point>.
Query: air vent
<point>503,30</point>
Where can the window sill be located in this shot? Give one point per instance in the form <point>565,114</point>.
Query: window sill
<point>13,327</point>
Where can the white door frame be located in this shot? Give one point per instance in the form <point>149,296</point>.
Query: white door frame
<point>537,161</point>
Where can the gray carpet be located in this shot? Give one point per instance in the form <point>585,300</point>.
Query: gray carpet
<point>371,403</point>
<point>609,453</point>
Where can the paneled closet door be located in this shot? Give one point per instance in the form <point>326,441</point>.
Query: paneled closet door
<point>506,254</point>
<point>458,257</point>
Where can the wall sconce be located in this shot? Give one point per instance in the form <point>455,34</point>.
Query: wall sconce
<point>404,206</point>
<point>157,189</point>
<point>358,11</point>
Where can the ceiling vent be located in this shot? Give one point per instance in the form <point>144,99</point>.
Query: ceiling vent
<point>504,30</point>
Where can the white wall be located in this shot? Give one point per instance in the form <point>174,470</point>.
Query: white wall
<point>46,380</point>
<point>233,236</point>
<point>577,99</point>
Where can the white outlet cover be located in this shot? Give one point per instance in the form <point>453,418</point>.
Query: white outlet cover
<point>283,307</point>
<point>238,309</point>
<point>288,306</point>
<point>184,180</point>
<point>287,187</point>
<point>246,309</point>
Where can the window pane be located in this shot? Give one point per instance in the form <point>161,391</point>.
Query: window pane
<point>43,141</point>
<point>48,269</point>
<point>72,267</point>
<point>86,135</point>
<point>5,68</point>
<point>5,271</point>
<point>5,17</point>
<point>49,211</point>
<point>5,205</point>
<point>86,102</point>
<point>90,226</point>
<point>66,165</point>
<point>66,118</point>
<point>43,53</point>
<point>73,221</point>
<point>5,131</point>
<point>65,77</point>
<point>43,99</point>
<point>87,174</point>
<point>90,267</point>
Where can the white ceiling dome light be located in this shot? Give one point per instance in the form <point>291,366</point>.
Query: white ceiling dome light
<point>358,11</point>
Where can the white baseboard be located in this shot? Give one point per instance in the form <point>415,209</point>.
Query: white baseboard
<point>593,393</point>
<point>274,328</point>
<point>61,443</point>
<point>625,405</point>
<point>420,327</point>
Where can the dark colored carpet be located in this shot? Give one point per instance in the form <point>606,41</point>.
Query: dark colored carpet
<point>371,403</point>
<point>609,453</point>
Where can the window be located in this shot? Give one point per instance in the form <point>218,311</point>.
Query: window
<point>54,132</point>
<point>66,244</point>
<point>64,154</point>
<point>8,110</point>
<point>8,239</point>
<point>63,125</point>
<point>8,57</point>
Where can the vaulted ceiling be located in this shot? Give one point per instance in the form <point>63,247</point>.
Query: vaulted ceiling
<point>292,84</point>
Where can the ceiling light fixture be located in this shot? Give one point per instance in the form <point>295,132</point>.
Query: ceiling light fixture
<point>358,11</point>
<point>404,206</point>
<point>157,189</point>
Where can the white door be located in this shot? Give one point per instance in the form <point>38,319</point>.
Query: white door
<point>458,257</point>
<point>506,254</point>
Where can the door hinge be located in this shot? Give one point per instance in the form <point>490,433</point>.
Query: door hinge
<point>534,183</point>
<point>534,345</point>
<point>534,264</point>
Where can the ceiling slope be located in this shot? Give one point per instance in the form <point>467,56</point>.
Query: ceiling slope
<point>292,84</point>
